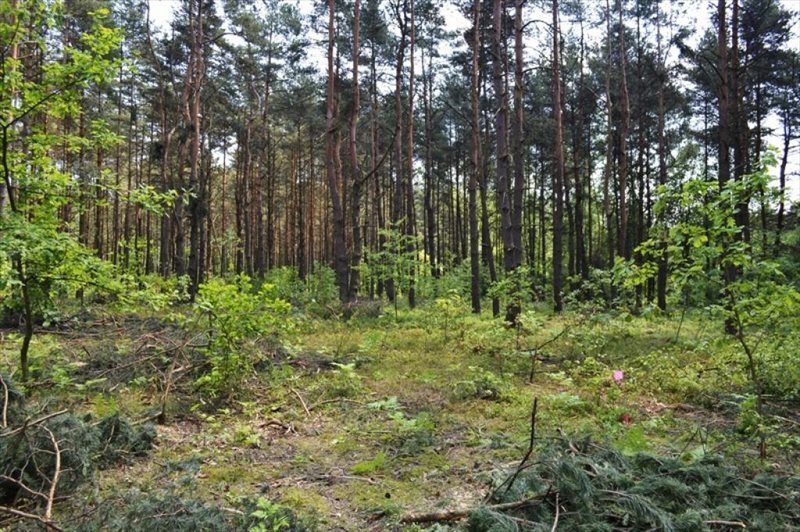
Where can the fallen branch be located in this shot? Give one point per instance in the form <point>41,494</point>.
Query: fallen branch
<point>33,423</point>
<point>302,402</point>
<point>51,496</point>
<point>5,402</point>
<point>737,524</point>
<point>510,480</point>
<point>33,517</point>
<point>456,515</point>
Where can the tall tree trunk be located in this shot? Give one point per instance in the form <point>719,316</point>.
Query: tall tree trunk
<point>411,222</point>
<point>607,170</point>
<point>623,244</point>
<point>577,154</point>
<point>197,197</point>
<point>501,145</point>
<point>474,256</point>
<point>430,213</point>
<point>558,173</point>
<point>398,196</point>
<point>724,131</point>
<point>661,281</point>
<point>739,131</point>
<point>519,154</point>
<point>787,138</point>
<point>355,167</point>
<point>339,248</point>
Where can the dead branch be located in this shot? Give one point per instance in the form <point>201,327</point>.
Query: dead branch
<point>29,423</point>
<point>302,402</point>
<point>457,515</point>
<point>510,480</point>
<point>33,517</point>
<point>51,496</point>
<point>737,524</point>
<point>5,402</point>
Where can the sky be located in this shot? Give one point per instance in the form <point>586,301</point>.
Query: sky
<point>687,14</point>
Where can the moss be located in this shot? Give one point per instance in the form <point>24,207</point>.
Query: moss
<point>307,501</point>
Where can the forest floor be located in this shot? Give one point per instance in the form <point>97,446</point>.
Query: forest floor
<point>354,424</point>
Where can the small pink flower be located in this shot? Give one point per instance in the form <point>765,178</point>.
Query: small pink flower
<point>625,419</point>
<point>618,375</point>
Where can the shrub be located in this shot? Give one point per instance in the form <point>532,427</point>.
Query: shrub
<point>235,320</point>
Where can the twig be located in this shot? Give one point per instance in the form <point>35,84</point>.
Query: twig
<point>336,400</point>
<point>5,402</point>
<point>162,416</point>
<point>302,402</point>
<point>33,423</point>
<point>26,515</point>
<point>51,497</point>
<point>510,480</point>
<point>555,521</point>
<point>738,524</point>
<point>456,515</point>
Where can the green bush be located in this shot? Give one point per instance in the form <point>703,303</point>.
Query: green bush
<point>236,321</point>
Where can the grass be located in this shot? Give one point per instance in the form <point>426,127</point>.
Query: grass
<point>373,417</point>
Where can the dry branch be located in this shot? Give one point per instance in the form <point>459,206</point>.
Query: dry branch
<point>456,515</point>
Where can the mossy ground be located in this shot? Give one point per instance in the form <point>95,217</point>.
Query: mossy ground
<point>363,420</point>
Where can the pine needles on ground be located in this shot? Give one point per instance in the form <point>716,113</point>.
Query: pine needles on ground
<point>598,489</point>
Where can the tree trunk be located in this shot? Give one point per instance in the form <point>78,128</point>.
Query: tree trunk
<point>339,249</point>
<point>501,145</point>
<point>624,248</point>
<point>355,167</point>
<point>474,256</point>
<point>197,197</point>
<point>558,173</point>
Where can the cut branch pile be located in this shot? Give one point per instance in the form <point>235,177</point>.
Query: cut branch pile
<point>44,457</point>
<point>586,486</point>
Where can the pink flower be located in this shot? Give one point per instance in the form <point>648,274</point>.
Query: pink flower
<point>618,375</point>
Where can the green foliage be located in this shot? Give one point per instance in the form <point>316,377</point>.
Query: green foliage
<point>314,295</point>
<point>448,310</point>
<point>397,261</point>
<point>271,517</point>
<point>482,384</point>
<point>369,467</point>
<point>236,321</point>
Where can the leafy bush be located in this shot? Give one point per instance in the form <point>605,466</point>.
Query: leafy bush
<point>236,320</point>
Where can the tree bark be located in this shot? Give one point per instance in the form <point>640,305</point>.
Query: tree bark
<point>355,167</point>
<point>339,249</point>
<point>474,255</point>
<point>558,174</point>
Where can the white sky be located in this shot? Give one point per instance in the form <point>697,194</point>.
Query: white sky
<point>537,42</point>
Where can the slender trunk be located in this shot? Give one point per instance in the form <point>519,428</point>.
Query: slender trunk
<point>355,167</point>
<point>739,131</point>
<point>474,256</point>
<point>398,196</point>
<point>501,145</point>
<point>724,132</point>
<point>623,247</point>
<point>411,221</point>
<point>558,173</point>
<point>197,197</point>
<point>609,145</point>
<point>339,249</point>
<point>661,281</point>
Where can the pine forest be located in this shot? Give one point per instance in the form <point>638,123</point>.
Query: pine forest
<point>403,265</point>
